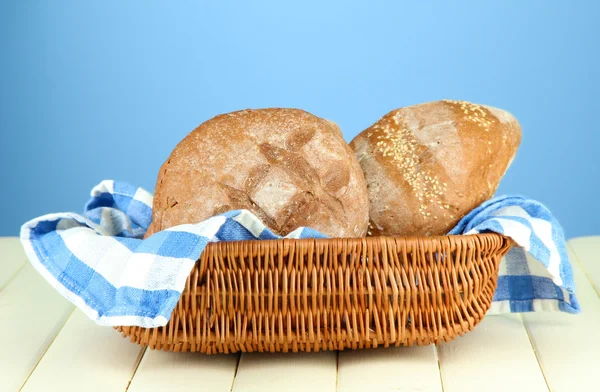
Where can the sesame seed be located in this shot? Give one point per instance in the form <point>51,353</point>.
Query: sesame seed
<point>400,145</point>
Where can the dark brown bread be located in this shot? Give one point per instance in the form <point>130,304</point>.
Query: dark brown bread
<point>288,167</point>
<point>428,165</point>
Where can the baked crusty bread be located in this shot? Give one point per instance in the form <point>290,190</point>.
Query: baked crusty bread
<point>428,165</point>
<point>288,167</point>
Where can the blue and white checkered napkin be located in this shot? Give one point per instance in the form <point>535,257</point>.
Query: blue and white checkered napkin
<point>100,262</point>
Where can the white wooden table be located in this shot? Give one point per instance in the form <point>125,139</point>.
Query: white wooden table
<point>47,345</point>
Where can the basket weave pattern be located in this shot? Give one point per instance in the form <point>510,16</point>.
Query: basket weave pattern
<point>331,294</point>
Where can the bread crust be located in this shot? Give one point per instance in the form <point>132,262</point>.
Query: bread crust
<point>287,166</point>
<point>428,165</point>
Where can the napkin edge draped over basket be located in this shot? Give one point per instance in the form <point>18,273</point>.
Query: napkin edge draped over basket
<point>99,261</point>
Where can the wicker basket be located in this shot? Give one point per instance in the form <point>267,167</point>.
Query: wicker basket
<point>331,294</point>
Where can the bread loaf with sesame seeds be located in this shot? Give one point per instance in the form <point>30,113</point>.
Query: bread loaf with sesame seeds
<point>428,165</point>
<point>286,166</point>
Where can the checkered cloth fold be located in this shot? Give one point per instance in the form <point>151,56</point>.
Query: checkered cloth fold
<point>99,261</point>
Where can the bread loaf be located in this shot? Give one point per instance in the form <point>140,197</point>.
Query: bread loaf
<point>428,165</point>
<point>288,167</point>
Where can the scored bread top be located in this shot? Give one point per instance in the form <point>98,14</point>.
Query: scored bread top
<point>287,166</point>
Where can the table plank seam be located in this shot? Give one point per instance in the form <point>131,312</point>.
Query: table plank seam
<point>524,322</point>
<point>137,365</point>
<point>582,266</point>
<point>437,358</point>
<point>46,349</point>
<point>13,276</point>
<point>235,372</point>
<point>337,372</point>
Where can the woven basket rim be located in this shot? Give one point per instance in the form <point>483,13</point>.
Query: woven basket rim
<point>408,238</point>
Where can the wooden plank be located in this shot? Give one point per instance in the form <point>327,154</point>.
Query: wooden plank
<point>389,369</point>
<point>32,314</point>
<point>497,349</point>
<point>12,258</point>
<point>85,356</point>
<point>166,371</point>
<point>290,372</point>
<point>587,250</point>
<point>567,346</point>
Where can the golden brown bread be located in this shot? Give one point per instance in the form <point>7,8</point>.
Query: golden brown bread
<point>428,165</point>
<point>287,166</point>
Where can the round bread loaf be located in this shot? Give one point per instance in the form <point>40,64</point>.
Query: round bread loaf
<point>428,165</point>
<point>288,167</point>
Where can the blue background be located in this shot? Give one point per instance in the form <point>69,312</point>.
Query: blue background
<point>106,90</point>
